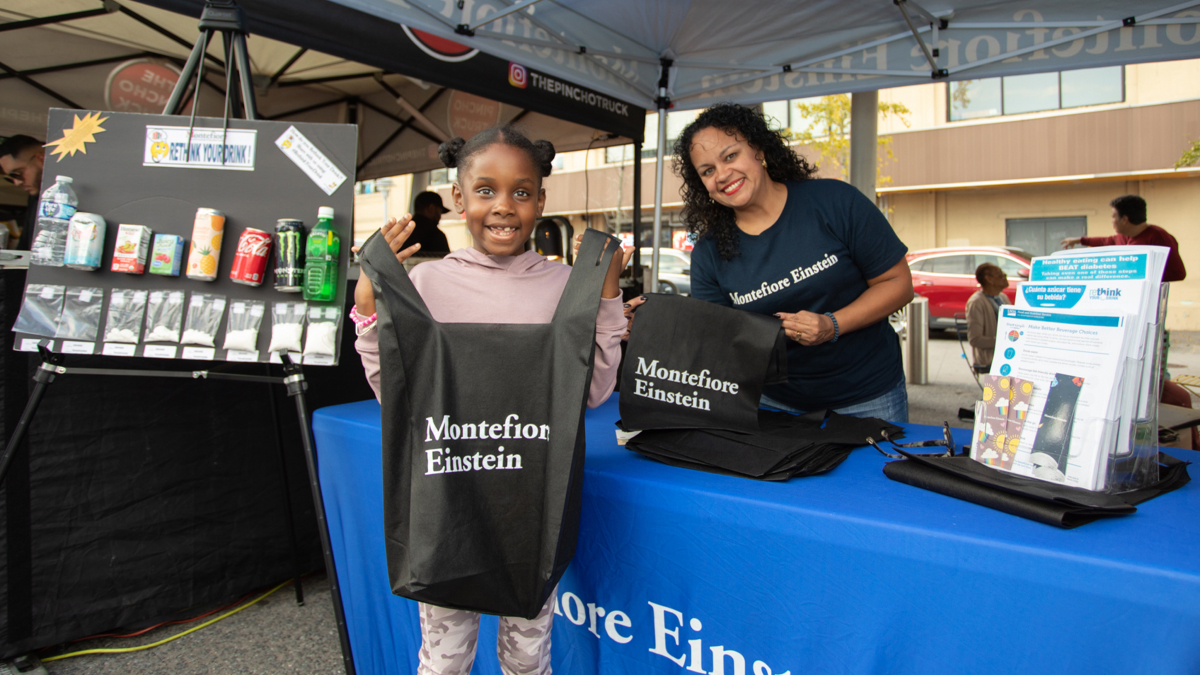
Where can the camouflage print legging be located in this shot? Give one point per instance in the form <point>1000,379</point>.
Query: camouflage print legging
<point>449,637</point>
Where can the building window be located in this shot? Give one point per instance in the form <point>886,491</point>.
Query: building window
<point>442,176</point>
<point>785,115</point>
<point>1042,236</point>
<point>1016,94</point>
<point>676,121</point>
<point>618,154</point>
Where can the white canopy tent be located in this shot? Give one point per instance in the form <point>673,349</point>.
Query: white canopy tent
<point>597,58</point>
<point>68,53</point>
<point>688,54</point>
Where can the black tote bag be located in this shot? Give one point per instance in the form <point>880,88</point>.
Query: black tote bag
<point>483,440</point>
<point>1060,505</point>
<point>692,364</point>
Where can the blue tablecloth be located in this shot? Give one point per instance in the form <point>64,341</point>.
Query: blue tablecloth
<point>680,571</point>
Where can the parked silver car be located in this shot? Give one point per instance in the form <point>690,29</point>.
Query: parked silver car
<point>674,270</point>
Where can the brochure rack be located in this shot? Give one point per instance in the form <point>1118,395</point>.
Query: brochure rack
<point>1134,465</point>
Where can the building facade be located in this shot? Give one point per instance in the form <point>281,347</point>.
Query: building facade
<point>1019,161</point>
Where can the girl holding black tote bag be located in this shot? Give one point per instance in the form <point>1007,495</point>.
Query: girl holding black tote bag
<point>483,362</point>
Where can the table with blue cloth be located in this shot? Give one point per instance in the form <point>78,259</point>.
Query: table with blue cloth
<point>680,571</point>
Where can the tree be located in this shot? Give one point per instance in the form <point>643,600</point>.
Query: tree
<point>828,132</point>
<point>1190,156</point>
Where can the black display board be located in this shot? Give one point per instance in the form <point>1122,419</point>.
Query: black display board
<point>119,175</point>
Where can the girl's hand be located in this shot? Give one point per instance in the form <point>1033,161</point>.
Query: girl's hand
<point>396,232</point>
<point>612,282</point>
<point>612,286</point>
<point>807,328</point>
<point>630,308</point>
<point>364,296</point>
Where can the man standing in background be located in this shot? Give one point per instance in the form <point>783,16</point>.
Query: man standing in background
<point>21,160</point>
<point>427,213</point>
<point>983,311</point>
<point>1129,222</point>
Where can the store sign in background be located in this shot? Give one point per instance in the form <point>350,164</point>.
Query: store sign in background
<point>469,114</point>
<point>140,86</point>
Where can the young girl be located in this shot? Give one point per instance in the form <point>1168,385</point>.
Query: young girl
<point>499,192</point>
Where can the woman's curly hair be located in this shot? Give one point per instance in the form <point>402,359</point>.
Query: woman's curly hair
<point>707,218</point>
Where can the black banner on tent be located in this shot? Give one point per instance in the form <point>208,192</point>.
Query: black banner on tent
<point>357,36</point>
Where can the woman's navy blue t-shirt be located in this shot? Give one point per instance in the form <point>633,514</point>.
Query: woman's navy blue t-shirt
<point>817,257</point>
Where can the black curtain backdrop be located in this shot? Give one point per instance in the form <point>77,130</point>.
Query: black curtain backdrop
<point>140,498</point>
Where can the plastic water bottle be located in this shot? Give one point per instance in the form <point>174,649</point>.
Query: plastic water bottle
<point>54,213</point>
<point>321,259</point>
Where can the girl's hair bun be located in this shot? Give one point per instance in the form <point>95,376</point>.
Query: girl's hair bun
<point>543,155</point>
<point>448,151</point>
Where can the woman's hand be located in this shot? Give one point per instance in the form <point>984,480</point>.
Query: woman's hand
<point>630,308</point>
<point>807,328</point>
<point>1071,241</point>
<point>885,294</point>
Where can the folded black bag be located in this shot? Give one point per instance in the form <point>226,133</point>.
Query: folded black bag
<point>785,446</point>
<point>963,478</point>
<point>692,364</point>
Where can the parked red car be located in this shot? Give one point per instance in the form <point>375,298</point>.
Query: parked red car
<point>947,276</point>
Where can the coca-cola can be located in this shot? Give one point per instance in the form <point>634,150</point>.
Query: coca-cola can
<point>250,261</point>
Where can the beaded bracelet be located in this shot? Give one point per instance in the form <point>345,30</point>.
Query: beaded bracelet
<point>832,318</point>
<point>361,325</point>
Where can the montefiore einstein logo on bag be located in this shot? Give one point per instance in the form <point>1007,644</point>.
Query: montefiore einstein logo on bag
<point>701,381</point>
<point>445,460</point>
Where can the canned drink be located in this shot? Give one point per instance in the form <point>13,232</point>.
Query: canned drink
<point>85,241</point>
<point>250,261</point>
<point>205,252</point>
<point>289,255</point>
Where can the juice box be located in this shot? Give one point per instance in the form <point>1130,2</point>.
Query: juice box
<point>131,249</point>
<point>167,256</point>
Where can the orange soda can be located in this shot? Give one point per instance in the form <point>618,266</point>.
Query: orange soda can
<point>205,252</point>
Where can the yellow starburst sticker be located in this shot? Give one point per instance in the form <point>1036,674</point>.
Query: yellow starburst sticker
<point>74,139</point>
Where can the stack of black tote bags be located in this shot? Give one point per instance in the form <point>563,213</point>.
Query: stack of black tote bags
<point>692,379</point>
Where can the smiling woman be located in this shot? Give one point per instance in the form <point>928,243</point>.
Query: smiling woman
<point>815,253</point>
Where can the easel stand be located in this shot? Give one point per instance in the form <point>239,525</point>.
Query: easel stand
<point>293,379</point>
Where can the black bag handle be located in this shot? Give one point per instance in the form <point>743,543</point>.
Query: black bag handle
<point>591,266</point>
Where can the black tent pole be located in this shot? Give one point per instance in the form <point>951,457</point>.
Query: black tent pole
<point>637,217</point>
<point>51,366</point>
<point>293,379</point>
<point>286,488</point>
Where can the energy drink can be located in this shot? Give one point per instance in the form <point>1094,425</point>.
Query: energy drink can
<point>289,255</point>
<point>85,241</point>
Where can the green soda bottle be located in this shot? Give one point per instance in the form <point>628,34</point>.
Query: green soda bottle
<point>321,259</point>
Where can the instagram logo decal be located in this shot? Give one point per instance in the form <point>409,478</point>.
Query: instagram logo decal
<point>517,75</point>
